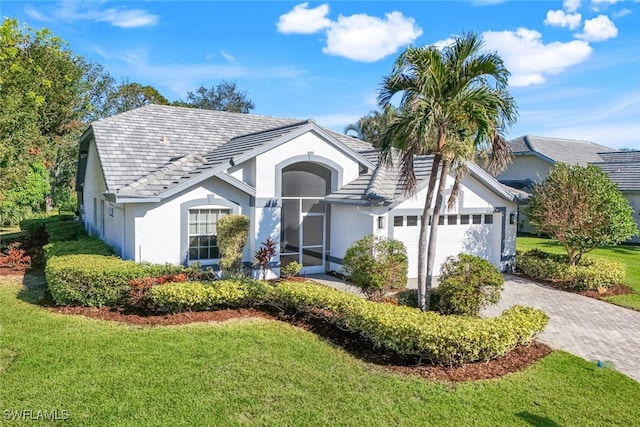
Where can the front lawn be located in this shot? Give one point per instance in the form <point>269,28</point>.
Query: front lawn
<point>266,372</point>
<point>626,254</point>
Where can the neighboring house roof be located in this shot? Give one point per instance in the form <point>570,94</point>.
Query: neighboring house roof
<point>623,168</point>
<point>157,150</point>
<point>553,150</point>
<point>621,156</point>
<point>384,186</point>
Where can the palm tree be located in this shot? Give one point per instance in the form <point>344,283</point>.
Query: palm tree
<point>370,127</point>
<point>454,105</point>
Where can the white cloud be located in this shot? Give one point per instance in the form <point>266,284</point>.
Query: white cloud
<point>179,78</point>
<point>367,38</point>
<point>70,11</point>
<point>558,18</point>
<point>126,18</point>
<point>529,60</point>
<point>357,37</point>
<point>35,14</point>
<point>571,5</point>
<point>302,20</point>
<point>621,13</point>
<point>598,29</point>
<point>228,57</point>
<point>605,2</point>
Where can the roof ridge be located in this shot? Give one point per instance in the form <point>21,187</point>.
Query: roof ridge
<point>290,125</point>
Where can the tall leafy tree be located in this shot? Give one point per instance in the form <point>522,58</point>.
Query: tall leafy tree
<point>455,105</point>
<point>371,127</point>
<point>128,96</point>
<point>224,97</point>
<point>581,208</point>
<point>40,83</point>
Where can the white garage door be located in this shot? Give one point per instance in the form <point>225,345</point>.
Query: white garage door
<point>476,234</point>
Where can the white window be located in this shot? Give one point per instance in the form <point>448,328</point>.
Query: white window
<point>203,235</point>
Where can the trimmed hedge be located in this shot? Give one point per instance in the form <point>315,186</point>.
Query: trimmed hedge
<point>199,296</point>
<point>96,280</point>
<point>590,274</point>
<point>441,339</point>
<point>446,340</point>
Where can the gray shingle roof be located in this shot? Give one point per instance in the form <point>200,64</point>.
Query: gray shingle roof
<point>625,174</point>
<point>569,151</point>
<point>621,156</point>
<point>151,149</point>
<point>385,186</point>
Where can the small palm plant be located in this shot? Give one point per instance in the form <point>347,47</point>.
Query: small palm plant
<point>264,255</point>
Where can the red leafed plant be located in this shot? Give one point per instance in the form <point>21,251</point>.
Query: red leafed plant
<point>15,258</point>
<point>138,288</point>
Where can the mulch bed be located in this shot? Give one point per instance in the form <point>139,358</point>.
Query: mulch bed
<point>353,343</point>
<point>611,291</point>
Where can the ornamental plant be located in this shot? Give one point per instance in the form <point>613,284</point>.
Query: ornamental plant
<point>264,255</point>
<point>233,231</point>
<point>376,264</point>
<point>581,208</point>
<point>467,283</point>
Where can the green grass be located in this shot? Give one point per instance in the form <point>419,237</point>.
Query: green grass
<point>268,373</point>
<point>626,254</point>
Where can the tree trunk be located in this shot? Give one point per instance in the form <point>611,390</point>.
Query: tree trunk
<point>422,242</point>
<point>433,236</point>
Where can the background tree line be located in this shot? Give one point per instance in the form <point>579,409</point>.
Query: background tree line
<point>48,96</point>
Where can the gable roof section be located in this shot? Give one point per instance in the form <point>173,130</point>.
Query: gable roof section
<point>553,150</point>
<point>132,144</point>
<point>248,146</point>
<point>148,151</point>
<point>384,186</point>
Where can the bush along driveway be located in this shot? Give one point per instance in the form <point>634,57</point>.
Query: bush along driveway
<point>592,329</point>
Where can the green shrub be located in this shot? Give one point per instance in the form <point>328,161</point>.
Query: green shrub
<point>83,246</point>
<point>467,283</point>
<point>196,296</point>
<point>588,275</point>
<point>61,231</point>
<point>233,231</point>
<point>594,273</point>
<point>291,269</point>
<point>376,264</point>
<point>96,280</point>
<point>441,339</point>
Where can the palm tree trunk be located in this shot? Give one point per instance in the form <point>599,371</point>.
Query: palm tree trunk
<point>433,236</point>
<point>424,226</point>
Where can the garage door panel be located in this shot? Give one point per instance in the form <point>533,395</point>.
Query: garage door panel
<point>481,239</point>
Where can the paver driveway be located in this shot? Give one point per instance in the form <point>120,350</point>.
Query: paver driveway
<point>592,329</point>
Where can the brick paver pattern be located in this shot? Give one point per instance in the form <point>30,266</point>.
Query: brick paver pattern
<point>592,329</point>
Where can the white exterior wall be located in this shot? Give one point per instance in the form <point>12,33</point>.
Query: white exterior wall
<point>476,239</point>
<point>161,229</point>
<point>634,201</point>
<point>348,224</point>
<point>93,190</point>
<point>525,167</point>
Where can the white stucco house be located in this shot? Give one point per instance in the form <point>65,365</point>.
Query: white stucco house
<point>534,156</point>
<point>152,183</point>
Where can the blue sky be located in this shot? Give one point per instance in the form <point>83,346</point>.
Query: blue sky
<point>575,64</point>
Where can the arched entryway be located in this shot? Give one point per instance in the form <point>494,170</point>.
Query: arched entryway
<point>305,217</point>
